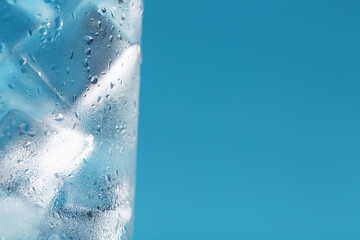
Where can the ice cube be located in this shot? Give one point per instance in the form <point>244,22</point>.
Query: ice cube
<point>93,223</point>
<point>24,89</point>
<point>36,159</point>
<point>18,218</point>
<point>91,42</point>
<point>18,18</point>
<point>115,138</point>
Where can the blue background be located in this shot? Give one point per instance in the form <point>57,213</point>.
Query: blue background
<point>250,120</point>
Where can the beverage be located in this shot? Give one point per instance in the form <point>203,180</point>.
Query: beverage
<point>69,84</point>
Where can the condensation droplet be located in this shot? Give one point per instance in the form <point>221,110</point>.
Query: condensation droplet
<point>59,22</point>
<point>27,144</point>
<point>88,39</point>
<point>94,79</point>
<point>59,117</point>
<point>43,31</point>
<point>22,61</point>
<point>87,51</point>
<point>31,133</point>
<point>86,62</point>
<point>98,24</point>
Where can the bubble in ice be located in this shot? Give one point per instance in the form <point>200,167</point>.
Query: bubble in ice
<point>88,39</point>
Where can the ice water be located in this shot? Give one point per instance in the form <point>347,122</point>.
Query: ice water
<point>69,89</point>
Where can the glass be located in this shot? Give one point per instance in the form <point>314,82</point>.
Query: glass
<point>69,89</point>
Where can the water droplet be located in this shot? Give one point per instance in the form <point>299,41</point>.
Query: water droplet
<point>31,133</point>
<point>98,128</point>
<point>46,24</point>
<point>112,85</point>
<point>59,22</point>
<point>43,31</point>
<point>98,24</point>
<point>27,144</point>
<point>94,79</point>
<point>86,62</point>
<point>29,33</point>
<point>87,51</point>
<point>59,117</point>
<point>88,39</point>
<point>101,10</point>
<point>11,86</point>
<point>22,62</point>
<point>23,127</point>
<point>108,177</point>
<point>23,69</point>
<point>89,214</point>
<point>99,99</point>
<point>113,12</point>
